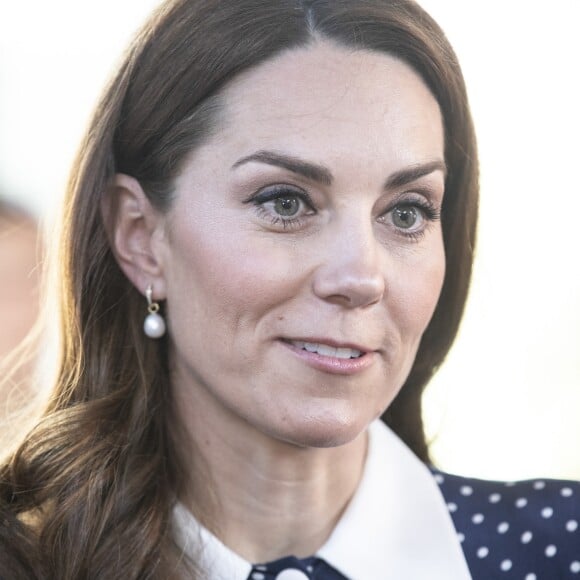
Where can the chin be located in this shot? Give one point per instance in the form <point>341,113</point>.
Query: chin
<point>327,431</point>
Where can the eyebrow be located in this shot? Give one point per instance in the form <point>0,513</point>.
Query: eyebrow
<point>410,174</point>
<point>322,175</point>
<point>309,170</point>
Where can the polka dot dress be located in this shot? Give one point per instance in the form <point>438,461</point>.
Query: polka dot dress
<point>529,530</point>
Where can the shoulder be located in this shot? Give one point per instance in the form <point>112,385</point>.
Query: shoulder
<point>527,529</point>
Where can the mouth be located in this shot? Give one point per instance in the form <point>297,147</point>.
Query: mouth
<point>327,350</point>
<point>332,357</point>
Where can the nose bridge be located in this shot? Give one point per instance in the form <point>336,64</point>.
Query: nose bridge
<point>351,272</point>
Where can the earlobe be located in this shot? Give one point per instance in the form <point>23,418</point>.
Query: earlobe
<point>135,229</point>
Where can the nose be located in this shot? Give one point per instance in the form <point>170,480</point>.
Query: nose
<point>351,273</point>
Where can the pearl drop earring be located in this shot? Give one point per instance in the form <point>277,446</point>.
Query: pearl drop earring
<point>154,326</point>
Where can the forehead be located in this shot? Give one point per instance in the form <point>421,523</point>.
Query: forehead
<point>324,92</point>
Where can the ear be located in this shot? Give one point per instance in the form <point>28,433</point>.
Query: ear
<point>136,232</point>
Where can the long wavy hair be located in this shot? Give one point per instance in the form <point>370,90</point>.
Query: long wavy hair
<point>88,493</point>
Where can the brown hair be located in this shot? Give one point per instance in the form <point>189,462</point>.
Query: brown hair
<point>89,492</point>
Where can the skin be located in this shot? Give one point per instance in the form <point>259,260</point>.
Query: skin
<point>284,440</point>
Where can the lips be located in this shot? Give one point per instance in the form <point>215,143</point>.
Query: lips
<point>331,356</point>
<point>327,350</point>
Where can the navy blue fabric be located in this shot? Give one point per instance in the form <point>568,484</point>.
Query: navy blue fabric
<point>528,530</point>
<point>313,569</point>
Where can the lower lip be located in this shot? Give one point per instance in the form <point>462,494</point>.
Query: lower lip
<point>329,364</point>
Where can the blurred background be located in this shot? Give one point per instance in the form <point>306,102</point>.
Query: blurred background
<point>505,405</point>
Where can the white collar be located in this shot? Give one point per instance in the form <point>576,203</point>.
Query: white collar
<point>396,526</point>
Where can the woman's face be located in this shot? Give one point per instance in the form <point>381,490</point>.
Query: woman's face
<point>303,255</point>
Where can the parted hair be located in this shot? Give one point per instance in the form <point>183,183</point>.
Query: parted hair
<point>89,492</point>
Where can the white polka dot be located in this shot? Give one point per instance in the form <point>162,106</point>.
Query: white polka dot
<point>566,492</point>
<point>258,576</point>
<point>261,567</point>
<point>539,484</point>
<point>521,502</point>
<point>466,490</point>
<point>452,507</point>
<point>503,528</point>
<point>550,551</point>
<point>530,577</point>
<point>477,518</point>
<point>461,537</point>
<point>510,483</point>
<point>482,552</point>
<point>310,569</point>
<point>506,565</point>
<point>547,512</point>
<point>575,567</point>
<point>494,498</point>
<point>291,574</point>
<point>572,525</point>
<point>527,537</point>
<point>439,478</point>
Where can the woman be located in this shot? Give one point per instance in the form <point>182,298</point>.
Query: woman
<point>287,193</point>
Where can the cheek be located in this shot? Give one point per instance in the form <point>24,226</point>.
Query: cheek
<point>227,277</point>
<point>419,290</point>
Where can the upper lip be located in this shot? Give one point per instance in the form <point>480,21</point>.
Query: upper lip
<point>331,342</point>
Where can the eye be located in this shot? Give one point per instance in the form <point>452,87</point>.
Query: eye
<point>283,205</point>
<point>287,206</point>
<point>412,217</point>
<point>406,217</point>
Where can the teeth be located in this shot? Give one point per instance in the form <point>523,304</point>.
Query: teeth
<point>325,350</point>
<point>347,353</point>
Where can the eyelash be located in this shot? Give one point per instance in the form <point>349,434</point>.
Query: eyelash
<point>427,209</point>
<point>276,192</point>
<point>430,213</point>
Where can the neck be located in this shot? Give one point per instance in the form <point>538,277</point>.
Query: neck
<point>270,499</point>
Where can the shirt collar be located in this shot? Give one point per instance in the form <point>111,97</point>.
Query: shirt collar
<point>215,559</point>
<point>396,526</point>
